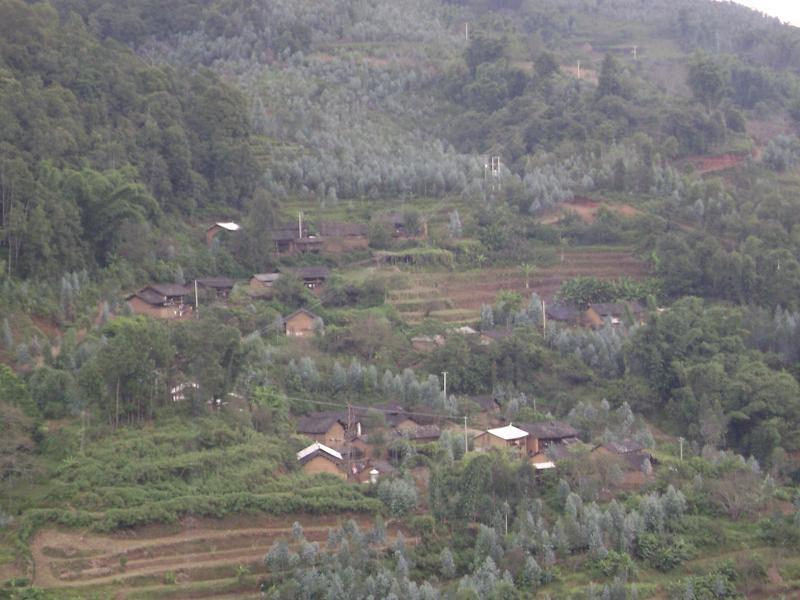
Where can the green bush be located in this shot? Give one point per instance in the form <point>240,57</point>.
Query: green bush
<point>663,552</point>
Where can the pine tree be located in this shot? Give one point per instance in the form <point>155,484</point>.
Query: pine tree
<point>487,317</point>
<point>448,568</point>
<point>531,576</point>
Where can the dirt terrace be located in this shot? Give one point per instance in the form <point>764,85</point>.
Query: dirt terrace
<point>457,297</point>
<point>196,551</point>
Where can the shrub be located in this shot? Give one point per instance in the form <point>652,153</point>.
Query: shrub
<point>662,552</point>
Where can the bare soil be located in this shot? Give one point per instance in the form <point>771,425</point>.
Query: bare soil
<point>191,551</point>
<point>586,209</point>
<point>465,292</point>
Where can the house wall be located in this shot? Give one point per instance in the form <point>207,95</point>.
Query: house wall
<point>487,440</point>
<point>320,464</point>
<point>140,307</point>
<point>301,325</point>
<point>334,437</point>
<point>532,445</point>
<point>592,319</point>
<point>211,233</point>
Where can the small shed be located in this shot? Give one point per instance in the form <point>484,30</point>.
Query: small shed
<point>300,323</point>
<point>319,458</point>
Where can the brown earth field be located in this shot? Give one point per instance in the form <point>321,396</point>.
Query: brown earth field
<point>456,297</point>
<point>586,209</point>
<point>192,559</point>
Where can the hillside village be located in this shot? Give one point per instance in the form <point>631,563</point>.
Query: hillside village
<point>409,299</point>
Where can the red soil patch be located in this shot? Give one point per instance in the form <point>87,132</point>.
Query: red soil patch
<point>712,164</point>
<point>586,209</point>
<point>47,327</point>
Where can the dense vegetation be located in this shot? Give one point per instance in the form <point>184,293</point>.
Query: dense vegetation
<point>126,128</point>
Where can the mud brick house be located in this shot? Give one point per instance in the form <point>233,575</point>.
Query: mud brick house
<point>502,437</point>
<point>342,237</point>
<point>312,277</point>
<point>162,300</point>
<point>634,454</point>
<point>543,435</point>
<point>319,458</point>
<point>290,238</point>
<point>616,312</point>
<point>328,427</point>
<point>220,227</point>
<point>564,314</point>
<point>261,283</point>
<point>221,286</point>
<point>300,323</point>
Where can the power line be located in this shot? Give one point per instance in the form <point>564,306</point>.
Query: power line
<point>378,408</point>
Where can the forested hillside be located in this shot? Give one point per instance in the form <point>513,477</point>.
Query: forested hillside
<point>227,223</point>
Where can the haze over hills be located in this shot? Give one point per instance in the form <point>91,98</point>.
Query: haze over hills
<point>408,298</point>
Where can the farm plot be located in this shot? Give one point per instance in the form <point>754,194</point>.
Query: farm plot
<point>457,297</point>
<point>194,559</point>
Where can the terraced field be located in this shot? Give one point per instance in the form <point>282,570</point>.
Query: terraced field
<point>199,558</point>
<point>456,297</point>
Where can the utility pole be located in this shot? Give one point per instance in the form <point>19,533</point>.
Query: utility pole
<point>579,69</point>
<point>444,389</point>
<point>544,320</point>
<point>466,443</point>
<point>680,440</point>
<point>466,32</point>
<point>300,224</point>
<point>196,299</point>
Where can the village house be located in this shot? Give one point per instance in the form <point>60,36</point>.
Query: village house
<point>300,323</point>
<point>221,286</point>
<point>564,314</point>
<point>312,277</point>
<point>502,437</point>
<point>420,434</point>
<point>220,227</point>
<point>615,312</point>
<point>290,238</point>
<point>543,435</point>
<point>343,237</point>
<point>329,428</point>
<point>319,458</point>
<point>261,283</point>
<point>162,300</point>
<point>634,454</point>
